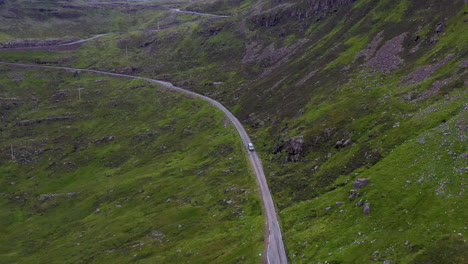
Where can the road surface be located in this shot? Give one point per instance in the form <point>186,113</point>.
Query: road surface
<point>75,44</point>
<point>275,252</point>
<point>197,13</point>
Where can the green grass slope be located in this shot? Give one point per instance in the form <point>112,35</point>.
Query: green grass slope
<point>416,196</point>
<point>120,172</point>
<point>387,77</point>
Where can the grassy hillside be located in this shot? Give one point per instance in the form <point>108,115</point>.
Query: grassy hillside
<point>82,19</point>
<point>120,172</point>
<point>332,91</point>
<point>390,79</point>
<point>416,196</point>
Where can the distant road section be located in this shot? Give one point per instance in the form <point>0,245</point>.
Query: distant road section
<point>275,252</point>
<point>196,13</point>
<point>64,46</point>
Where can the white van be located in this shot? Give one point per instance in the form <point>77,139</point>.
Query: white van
<point>250,146</point>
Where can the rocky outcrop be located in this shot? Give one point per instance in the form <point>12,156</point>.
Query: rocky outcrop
<point>436,86</point>
<point>343,143</point>
<point>294,148</point>
<point>440,27</point>
<point>387,57</point>
<point>360,183</point>
<point>366,208</point>
<point>425,72</point>
<point>353,194</point>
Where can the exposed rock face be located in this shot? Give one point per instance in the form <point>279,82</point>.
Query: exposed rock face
<point>387,57</point>
<point>360,183</point>
<point>425,72</point>
<point>104,140</point>
<point>251,53</point>
<point>435,88</point>
<point>464,64</point>
<point>371,48</point>
<point>294,147</point>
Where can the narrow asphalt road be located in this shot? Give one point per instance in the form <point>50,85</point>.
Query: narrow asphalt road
<point>275,252</point>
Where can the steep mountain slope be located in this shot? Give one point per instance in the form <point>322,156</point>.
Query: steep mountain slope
<point>333,91</point>
<point>380,96</point>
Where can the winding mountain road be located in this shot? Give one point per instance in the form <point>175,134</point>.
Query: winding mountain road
<point>275,251</point>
